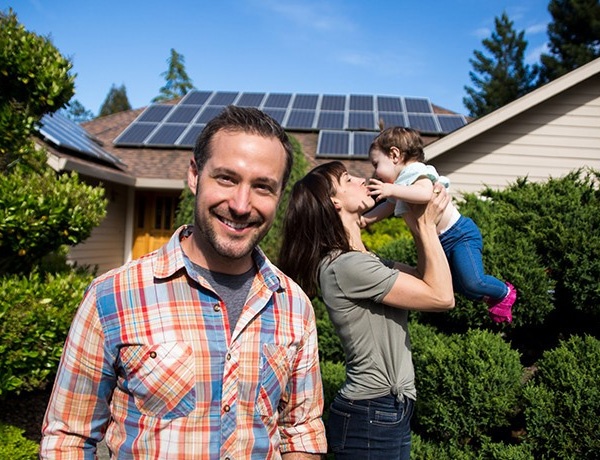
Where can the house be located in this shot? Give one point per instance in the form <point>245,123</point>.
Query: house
<point>141,156</point>
<point>548,132</point>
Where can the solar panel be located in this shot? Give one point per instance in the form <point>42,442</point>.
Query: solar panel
<point>391,119</point>
<point>333,143</point>
<point>423,123</point>
<point>305,101</point>
<point>418,105</point>
<point>301,119</point>
<point>135,133</point>
<point>250,99</point>
<point>64,132</point>
<point>449,123</point>
<point>167,134</point>
<point>183,114</point>
<point>361,102</point>
<point>361,120</point>
<point>331,120</point>
<point>277,114</point>
<point>155,113</point>
<point>196,97</point>
<point>333,102</point>
<point>389,104</point>
<point>223,98</point>
<point>278,100</point>
<point>209,113</point>
<point>362,142</point>
<point>190,137</point>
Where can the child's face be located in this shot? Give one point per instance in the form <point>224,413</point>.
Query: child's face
<point>386,168</point>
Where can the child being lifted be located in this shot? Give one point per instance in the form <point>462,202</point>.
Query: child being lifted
<point>403,177</point>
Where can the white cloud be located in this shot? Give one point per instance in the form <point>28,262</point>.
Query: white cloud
<point>317,15</point>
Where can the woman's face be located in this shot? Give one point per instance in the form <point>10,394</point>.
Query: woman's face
<point>352,194</point>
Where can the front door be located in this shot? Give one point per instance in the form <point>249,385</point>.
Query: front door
<point>154,216</point>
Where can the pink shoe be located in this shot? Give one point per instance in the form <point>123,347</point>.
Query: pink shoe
<point>501,310</point>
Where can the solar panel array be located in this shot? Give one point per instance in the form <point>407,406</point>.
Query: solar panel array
<point>344,122</point>
<point>63,132</point>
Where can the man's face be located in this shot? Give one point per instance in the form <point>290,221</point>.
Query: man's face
<point>237,194</point>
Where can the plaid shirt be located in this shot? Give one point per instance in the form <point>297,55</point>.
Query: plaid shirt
<point>151,365</point>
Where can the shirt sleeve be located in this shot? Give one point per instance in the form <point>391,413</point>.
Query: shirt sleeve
<point>78,409</point>
<point>300,424</point>
<point>363,276</point>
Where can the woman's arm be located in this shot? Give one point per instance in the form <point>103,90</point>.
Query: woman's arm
<point>431,288</point>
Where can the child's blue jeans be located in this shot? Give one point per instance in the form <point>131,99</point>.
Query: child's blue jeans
<point>463,246</point>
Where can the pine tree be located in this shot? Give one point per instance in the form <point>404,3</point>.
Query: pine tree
<point>77,112</point>
<point>504,76</point>
<point>178,82</point>
<point>116,101</point>
<point>574,37</point>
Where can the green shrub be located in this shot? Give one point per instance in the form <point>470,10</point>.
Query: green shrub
<point>330,347</point>
<point>333,375</point>
<point>15,446</point>
<point>468,384</point>
<point>563,401</point>
<point>35,315</point>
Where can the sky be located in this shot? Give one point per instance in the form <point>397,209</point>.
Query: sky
<point>379,47</point>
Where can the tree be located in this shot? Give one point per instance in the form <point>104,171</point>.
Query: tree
<point>116,101</point>
<point>574,35</point>
<point>77,112</point>
<point>504,76</point>
<point>178,82</point>
<point>35,79</point>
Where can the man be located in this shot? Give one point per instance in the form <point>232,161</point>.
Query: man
<point>202,349</point>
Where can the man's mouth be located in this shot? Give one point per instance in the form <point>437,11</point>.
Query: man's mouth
<point>236,225</point>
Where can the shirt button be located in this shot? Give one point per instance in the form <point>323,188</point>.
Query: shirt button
<point>153,354</point>
<point>216,307</point>
<point>228,357</point>
<point>226,408</point>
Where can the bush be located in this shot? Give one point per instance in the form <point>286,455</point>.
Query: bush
<point>14,446</point>
<point>333,375</point>
<point>35,315</point>
<point>563,401</point>
<point>468,385</point>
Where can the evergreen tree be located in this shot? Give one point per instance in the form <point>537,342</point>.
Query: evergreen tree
<point>178,82</point>
<point>77,112</point>
<point>116,101</point>
<point>574,36</point>
<point>502,77</point>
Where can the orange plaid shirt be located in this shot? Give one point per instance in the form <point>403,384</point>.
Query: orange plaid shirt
<point>150,365</point>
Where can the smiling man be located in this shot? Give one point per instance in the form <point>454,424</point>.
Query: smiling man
<point>202,349</point>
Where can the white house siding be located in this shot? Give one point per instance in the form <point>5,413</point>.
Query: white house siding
<point>550,139</point>
<point>105,247</point>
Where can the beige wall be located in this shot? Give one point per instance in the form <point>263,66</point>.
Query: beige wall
<point>551,139</point>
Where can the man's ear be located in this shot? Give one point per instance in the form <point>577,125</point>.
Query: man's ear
<point>192,176</point>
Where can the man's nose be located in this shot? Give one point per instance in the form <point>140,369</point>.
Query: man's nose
<point>239,202</point>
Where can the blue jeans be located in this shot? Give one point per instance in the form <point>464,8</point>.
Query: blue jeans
<point>370,429</point>
<point>463,246</point>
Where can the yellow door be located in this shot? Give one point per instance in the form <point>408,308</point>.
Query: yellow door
<point>154,216</point>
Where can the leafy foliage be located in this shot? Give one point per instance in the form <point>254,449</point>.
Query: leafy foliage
<point>116,101</point>
<point>178,82</point>
<point>504,76</point>
<point>35,314</point>
<point>77,112</point>
<point>15,446</point>
<point>574,35</point>
<point>563,401</point>
<point>34,78</point>
<point>40,212</point>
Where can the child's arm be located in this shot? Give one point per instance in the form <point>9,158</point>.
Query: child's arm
<point>419,192</point>
<point>376,214</point>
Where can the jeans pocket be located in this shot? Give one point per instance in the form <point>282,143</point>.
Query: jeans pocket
<point>337,428</point>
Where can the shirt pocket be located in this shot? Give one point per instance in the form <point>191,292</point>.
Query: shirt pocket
<point>160,377</point>
<point>275,371</point>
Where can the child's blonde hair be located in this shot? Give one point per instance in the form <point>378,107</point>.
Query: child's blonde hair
<point>407,140</point>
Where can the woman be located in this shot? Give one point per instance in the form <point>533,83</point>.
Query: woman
<point>368,301</point>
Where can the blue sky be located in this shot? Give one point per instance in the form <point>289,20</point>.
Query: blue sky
<point>384,47</point>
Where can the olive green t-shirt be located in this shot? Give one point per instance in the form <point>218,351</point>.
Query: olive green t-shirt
<point>374,336</point>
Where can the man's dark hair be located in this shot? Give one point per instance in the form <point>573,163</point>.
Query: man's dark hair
<point>243,120</point>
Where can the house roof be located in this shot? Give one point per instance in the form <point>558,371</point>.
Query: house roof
<point>509,111</point>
